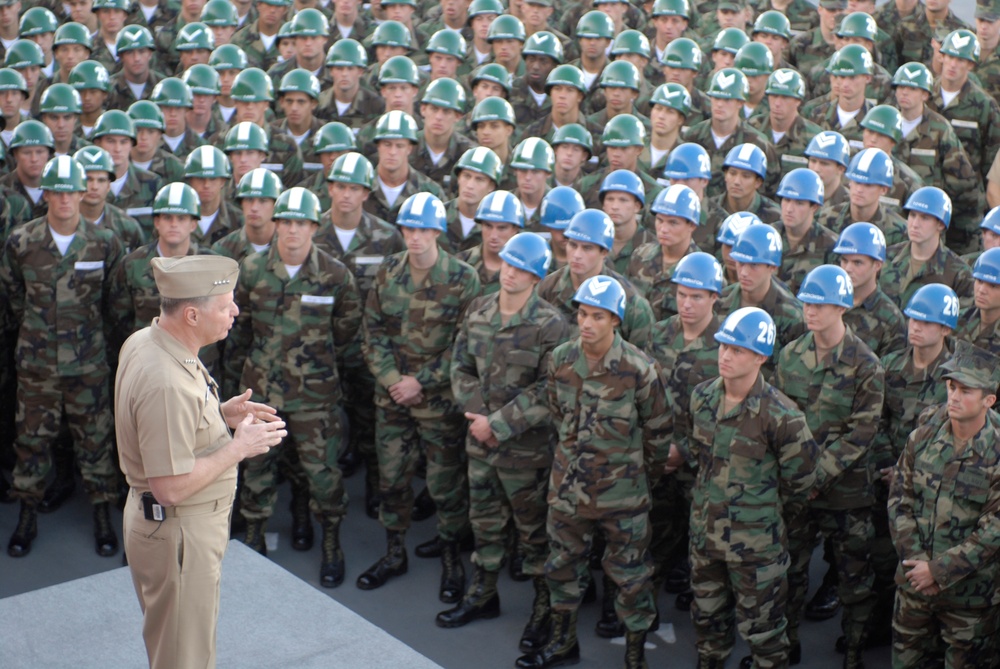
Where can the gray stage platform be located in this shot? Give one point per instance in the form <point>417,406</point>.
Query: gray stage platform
<point>269,618</point>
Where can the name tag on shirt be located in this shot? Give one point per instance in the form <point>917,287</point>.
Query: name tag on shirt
<point>368,260</point>
<point>317,299</point>
<point>87,266</point>
<point>799,160</point>
<point>312,167</point>
<point>274,167</point>
<point>139,211</point>
<point>923,152</point>
<point>959,123</point>
<point>856,144</point>
<point>889,201</point>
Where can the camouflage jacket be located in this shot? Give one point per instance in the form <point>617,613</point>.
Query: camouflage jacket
<point>913,33</point>
<point>842,396</point>
<point>701,133</point>
<point>453,240</point>
<point>975,117</point>
<point>904,182</point>
<point>128,230</point>
<point>364,108</point>
<point>621,260</point>
<point>815,249</point>
<point>235,245</point>
<point>649,276</point>
<point>229,218</point>
<point>284,158</point>
<point>377,205</point>
<point>837,217</point>
<point>311,163</point>
<point>718,208</point>
<point>808,50</point>
<point>166,165</point>
<point>24,209</point>
<point>121,96</point>
<point>248,39</point>
<point>878,90</point>
<point>780,303</point>
<point>489,281</point>
<point>823,112</point>
<point>879,323</point>
<point>972,329</point>
<point>792,147</point>
<point>373,241</point>
<point>136,197</point>
<point>526,110</point>
<point>899,280</point>
<point>441,172</point>
<point>190,141</point>
<point>500,370</point>
<point>988,71</point>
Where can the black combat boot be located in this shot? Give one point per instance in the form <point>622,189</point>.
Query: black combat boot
<point>25,532</point>
<point>452,573</point>
<point>854,657</point>
<point>608,625</point>
<point>678,578</point>
<point>331,569</point>
<point>826,602</point>
<point>635,650</point>
<point>105,539</point>
<point>480,602</point>
<point>393,563</point>
<point>64,484</point>
<point>710,663</point>
<point>302,528</point>
<point>255,535</point>
<point>562,648</point>
<point>536,632</point>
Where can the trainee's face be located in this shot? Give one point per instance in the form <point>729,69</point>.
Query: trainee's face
<point>174,228</point>
<point>596,324</point>
<point>694,304</point>
<point>584,259</point>
<point>257,211</point>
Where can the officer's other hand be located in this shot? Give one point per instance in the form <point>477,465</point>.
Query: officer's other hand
<point>407,391</point>
<point>479,428</point>
<point>238,406</point>
<point>254,437</point>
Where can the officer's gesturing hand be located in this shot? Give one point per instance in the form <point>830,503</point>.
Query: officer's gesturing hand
<point>237,407</point>
<point>254,437</point>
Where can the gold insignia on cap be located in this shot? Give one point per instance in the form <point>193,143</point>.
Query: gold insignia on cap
<point>189,277</point>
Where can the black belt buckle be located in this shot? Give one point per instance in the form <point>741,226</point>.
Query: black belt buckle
<point>151,509</point>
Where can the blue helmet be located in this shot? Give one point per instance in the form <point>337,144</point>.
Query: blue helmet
<point>934,303</point>
<point>863,239</point>
<point>987,267</point>
<point>932,201</point>
<point>688,161</point>
<point>759,243</point>
<point>747,157</point>
<point>871,166</point>
<point>592,226</point>
<point>625,181</point>
<point>991,221</point>
<point>528,251</point>
<point>802,184</point>
<point>751,328</point>
<point>829,145</point>
<point>734,225</point>
<point>678,200</point>
<point>500,206</point>
<point>827,284</point>
<point>423,211</point>
<point>603,292</point>
<point>559,206</point>
<point>699,270</point>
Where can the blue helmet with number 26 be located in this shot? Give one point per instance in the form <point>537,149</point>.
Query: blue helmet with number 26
<point>751,328</point>
<point>759,243</point>
<point>934,303</point>
<point>827,284</point>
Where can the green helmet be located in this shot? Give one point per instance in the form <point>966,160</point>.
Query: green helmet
<point>573,133</point>
<point>672,8</point>
<point>399,70</point>
<point>620,74</point>
<point>682,53</point>
<point>24,53</point>
<point>595,25</point>
<point>228,57</point>
<point>480,7</point>
<point>914,75</point>
<point>492,109</point>
<point>396,125</point>
<point>624,130</point>
<point>95,159</point>
<point>566,75</point>
<point>310,23</point>
<point>392,33</point>
<point>729,84</point>
<point>483,160</point>
<point>961,44</point>
<point>858,24</point>
<point>674,96</point>
<point>786,82</point>
<point>884,120</point>
<point>171,92</point>
<point>333,137</point>
<point>64,175</point>
<point>347,53</point>
<point>506,27</point>
<point>37,21</point>
<point>246,136</point>
<point>352,168</point>
<point>446,93</point>
<point>448,42</point>
<point>60,99</point>
<point>220,13</point>
<point>202,79</point>
<point>123,5</point>
<point>73,33</point>
<point>494,72</point>
<point>252,85</point>
<point>32,133</point>
<point>194,36</point>
<point>114,122</point>
<point>284,32</point>
<point>90,75</point>
<point>134,37</point>
<point>259,183</point>
<point>730,40</point>
<point>544,43</point>
<point>754,59</point>
<point>12,80</point>
<point>773,22</point>
<point>849,61</point>
<point>533,153</point>
<point>300,81</point>
<point>177,198</point>
<point>411,3</point>
<point>297,204</point>
<point>145,114</point>
<point>631,42</point>
<point>207,162</point>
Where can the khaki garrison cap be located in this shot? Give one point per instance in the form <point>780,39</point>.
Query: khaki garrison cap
<point>973,367</point>
<point>189,277</point>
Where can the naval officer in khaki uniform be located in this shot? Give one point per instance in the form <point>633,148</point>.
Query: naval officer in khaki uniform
<point>179,458</point>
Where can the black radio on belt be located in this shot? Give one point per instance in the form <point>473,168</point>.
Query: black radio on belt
<point>151,509</point>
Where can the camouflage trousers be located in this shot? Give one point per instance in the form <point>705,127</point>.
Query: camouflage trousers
<point>497,494</point>
<point>315,437</point>
<point>884,558</point>
<point>669,518</point>
<point>928,633</point>
<point>85,403</point>
<point>850,532</point>
<point>359,404</point>
<point>626,561</point>
<point>745,596</point>
<point>399,438</point>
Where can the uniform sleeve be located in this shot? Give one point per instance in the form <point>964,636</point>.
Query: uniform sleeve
<point>902,521</point>
<point>378,347</point>
<point>657,420</point>
<point>121,312</point>
<point>638,326</point>
<point>240,338</point>
<point>347,314</point>
<point>435,373</point>
<point>112,335</point>
<point>12,281</point>
<point>798,454</point>
<point>465,383</point>
<point>979,548</point>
